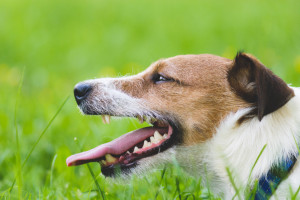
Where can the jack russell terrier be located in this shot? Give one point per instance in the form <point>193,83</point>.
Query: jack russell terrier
<point>232,121</point>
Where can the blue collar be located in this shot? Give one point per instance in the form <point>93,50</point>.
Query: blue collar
<point>267,185</point>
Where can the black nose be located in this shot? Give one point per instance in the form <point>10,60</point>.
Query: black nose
<point>82,91</point>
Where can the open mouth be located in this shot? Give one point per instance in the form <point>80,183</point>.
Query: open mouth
<point>123,153</point>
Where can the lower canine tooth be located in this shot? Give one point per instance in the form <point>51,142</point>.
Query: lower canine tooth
<point>103,162</point>
<point>135,149</point>
<point>109,158</point>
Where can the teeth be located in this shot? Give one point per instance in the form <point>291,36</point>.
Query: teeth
<point>109,158</point>
<point>147,119</point>
<point>165,136</point>
<point>128,152</point>
<point>135,149</point>
<point>103,162</point>
<point>153,140</point>
<point>153,120</point>
<point>146,144</point>
<point>140,118</point>
<point>157,136</point>
<point>105,119</point>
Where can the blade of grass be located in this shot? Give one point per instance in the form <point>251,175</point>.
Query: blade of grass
<point>162,176</point>
<point>52,169</point>
<point>252,191</point>
<point>95,180</point>
<point>40,137</point>
<point>249,177</point>
<point>178,188</point>
<point>4,194</point>
<point>207,182</point>
<point>232,183</point>
<point>294,197</point>
<point>259,155</point>
<point>44,131</point>
<point>18,155</point>
<point>189,195</point>
<point>297,144</point>
<point>92,173</point>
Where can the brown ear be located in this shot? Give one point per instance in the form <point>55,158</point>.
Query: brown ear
<point>256,84</point>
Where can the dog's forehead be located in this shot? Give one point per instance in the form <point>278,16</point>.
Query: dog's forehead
<point>183,62</point>
<point>202,66</point>
<point>200,61</point>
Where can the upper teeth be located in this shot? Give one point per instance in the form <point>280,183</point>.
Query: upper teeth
<point>141,119</point>
<point>148,119</point>
<point>106,119</point>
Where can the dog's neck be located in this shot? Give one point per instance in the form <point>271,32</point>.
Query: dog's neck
<point>237,147</point>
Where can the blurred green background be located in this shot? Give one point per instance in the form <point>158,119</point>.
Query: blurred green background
<point>59,43</point>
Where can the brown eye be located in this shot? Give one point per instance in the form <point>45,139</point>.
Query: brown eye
<point>158,78</point>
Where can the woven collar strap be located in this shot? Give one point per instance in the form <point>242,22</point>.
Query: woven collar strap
<point>268,184</point>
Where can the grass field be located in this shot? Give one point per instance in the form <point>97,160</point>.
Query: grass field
<point>55,44</point>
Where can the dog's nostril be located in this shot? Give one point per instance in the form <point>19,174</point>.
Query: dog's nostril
<point>81,91</point>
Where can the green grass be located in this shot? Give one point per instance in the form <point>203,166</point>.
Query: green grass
<point>60,43</point>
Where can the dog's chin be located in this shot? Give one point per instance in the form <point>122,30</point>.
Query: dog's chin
<point>135,152</point>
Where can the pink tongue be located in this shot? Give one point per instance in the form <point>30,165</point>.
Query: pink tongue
<point>115,147</point>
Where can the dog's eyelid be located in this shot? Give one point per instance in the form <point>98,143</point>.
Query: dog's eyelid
<point>159,78</point>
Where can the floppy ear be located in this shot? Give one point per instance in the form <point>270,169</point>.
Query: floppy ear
<point>256,84</point>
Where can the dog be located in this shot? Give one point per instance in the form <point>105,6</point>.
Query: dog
<point>233,122</point>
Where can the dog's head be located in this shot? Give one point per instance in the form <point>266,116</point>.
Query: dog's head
<point>184,98</point>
